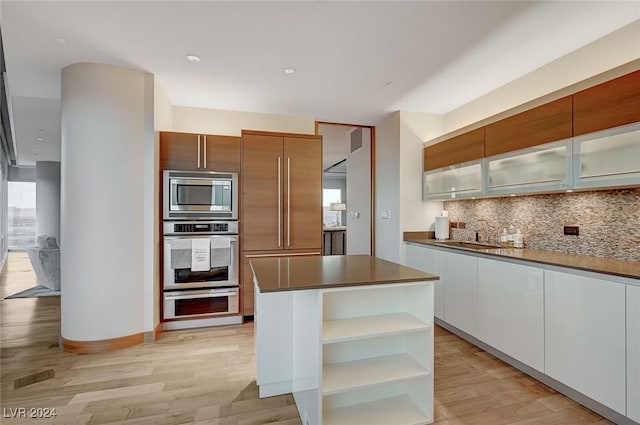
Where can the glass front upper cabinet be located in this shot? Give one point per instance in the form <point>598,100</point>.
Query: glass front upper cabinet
<point>543,168</point>
<point>458,181</point>
<point>608,158</point>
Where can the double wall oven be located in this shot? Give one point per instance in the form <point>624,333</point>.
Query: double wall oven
<point>200,248</point>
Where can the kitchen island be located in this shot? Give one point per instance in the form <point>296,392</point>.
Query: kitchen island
<point>350,336</point>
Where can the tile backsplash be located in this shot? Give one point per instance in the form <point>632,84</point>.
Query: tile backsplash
<point>609,221</point>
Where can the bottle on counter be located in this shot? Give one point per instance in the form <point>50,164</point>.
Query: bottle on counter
<point>510,235</point>
<point>504,238</point>
<point>518,240</point>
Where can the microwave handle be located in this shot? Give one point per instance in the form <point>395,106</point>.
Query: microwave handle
<point>207,295</point>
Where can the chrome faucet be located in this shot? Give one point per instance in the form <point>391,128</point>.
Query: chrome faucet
<point>486,231</point>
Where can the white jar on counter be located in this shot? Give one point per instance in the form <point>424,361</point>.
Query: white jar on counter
<point>518,240</point>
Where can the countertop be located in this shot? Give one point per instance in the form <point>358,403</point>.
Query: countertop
<point>623,268</point>
<point>334,228</point>
<point>321,272</point>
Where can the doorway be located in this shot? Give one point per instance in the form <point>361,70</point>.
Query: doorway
<point>348,188</point>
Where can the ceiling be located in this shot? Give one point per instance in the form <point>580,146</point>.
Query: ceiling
<point>355,61</point>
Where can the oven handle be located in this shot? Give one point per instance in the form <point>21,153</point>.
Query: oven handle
<point>294,254</point>
<point>234,238</point>
<point>207,295</point>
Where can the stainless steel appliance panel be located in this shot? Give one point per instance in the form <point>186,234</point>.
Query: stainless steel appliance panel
<point>177,263</point>
<point>200,195</point>
<point>203,302</point>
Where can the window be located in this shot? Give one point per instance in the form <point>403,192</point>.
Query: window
<point>21,215</point>
<point>329,196</point>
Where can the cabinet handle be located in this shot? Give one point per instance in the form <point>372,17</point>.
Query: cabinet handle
<point>198,164</point>
<point>279,205</point>
<point>205,151</point>
<point>288,201</point>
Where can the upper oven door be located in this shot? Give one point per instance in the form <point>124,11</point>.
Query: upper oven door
<point>200,195</point>
<point>222,269</point>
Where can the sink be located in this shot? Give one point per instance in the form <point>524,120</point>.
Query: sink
<point>469,245</point>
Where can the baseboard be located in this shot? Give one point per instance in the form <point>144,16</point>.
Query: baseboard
<point>154,334</point>
<point>577,396</point>
<point>100,346</point>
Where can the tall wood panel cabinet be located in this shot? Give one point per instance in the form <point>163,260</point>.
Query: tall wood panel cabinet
<point>281,199</point>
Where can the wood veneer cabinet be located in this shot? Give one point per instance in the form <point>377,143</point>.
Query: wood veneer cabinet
<point>281,191</point>
<point>610,104</point>
<point>543,124</point>
<point>463,148</point>
<point>199,152</point>
<point>281,198</point>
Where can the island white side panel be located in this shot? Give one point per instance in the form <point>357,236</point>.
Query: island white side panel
<point>307,346</point>
<point>274,342</point>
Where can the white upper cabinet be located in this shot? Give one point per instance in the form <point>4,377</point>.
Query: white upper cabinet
<point>542,168</point>
<point>607,158</point>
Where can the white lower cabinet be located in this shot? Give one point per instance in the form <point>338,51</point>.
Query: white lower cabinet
<point>377,355</point>
<point>428,260</point>
<point>459,276</point>
<point>511,310</point>
<point>585,336</point>
<point>633,352</point>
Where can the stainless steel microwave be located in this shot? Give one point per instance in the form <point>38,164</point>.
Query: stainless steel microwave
<point>200,195</point>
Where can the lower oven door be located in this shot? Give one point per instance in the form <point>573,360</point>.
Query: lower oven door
<point>223,267</point>
<point>200,302</point>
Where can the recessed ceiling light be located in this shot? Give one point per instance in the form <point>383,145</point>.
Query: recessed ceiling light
<point>289,71</point>
<point>193,58</point>
<point>39,139</point>
<point>60,40</point>
<point>513,194</point>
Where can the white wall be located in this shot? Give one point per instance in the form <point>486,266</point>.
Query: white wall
<point>415,128</point>
<point>359,195</point>
<point>48,198</point>
<point>4,205</point>
<point>611,51</point>
<point>231,123</point>
<point>157,113</point>
<point>106,125</point>
<point>162,109</point>
<point>387,181</point>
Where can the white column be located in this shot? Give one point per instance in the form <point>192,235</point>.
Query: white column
<point>48,198</point>
<point>105,127</point>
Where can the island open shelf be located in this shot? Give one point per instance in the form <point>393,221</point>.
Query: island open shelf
<point>350,353</point>
<point>399,410</point>
<point>342,330</point>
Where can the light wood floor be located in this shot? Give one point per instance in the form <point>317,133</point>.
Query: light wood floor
<point>207,376</point>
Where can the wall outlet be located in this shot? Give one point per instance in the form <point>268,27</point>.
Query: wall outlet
<point>454,224</point>
<point>462,225</point>
<point>571,230</point>
<point>385,214</point>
